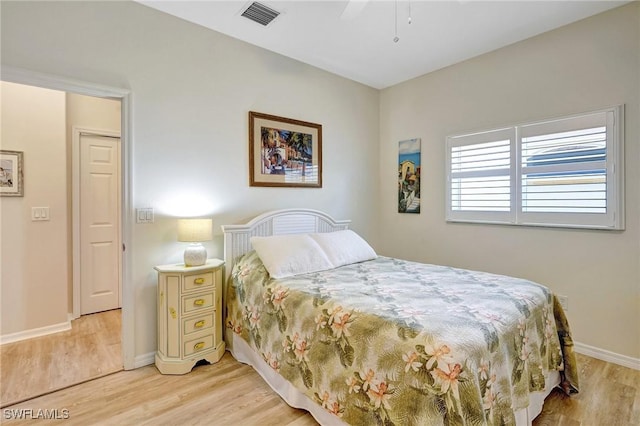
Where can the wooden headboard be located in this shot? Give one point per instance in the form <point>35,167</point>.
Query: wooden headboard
<point>237,238</point>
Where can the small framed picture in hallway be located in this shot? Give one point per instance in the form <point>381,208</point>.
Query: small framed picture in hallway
<point>11,173</point>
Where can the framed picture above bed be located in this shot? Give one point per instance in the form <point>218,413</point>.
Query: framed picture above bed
<point>284,152</point>
<point>11,164</point>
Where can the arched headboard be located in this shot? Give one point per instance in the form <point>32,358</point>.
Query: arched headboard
<point>237,238</point>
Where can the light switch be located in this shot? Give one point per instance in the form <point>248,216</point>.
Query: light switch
<point>144,215</point>
<point>39,213</point>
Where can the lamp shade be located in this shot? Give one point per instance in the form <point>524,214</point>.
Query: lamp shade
<point>194,230</point>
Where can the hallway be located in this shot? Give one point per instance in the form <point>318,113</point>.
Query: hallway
<point>34,367</point>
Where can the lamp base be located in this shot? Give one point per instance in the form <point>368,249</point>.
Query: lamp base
<point>195,255</point>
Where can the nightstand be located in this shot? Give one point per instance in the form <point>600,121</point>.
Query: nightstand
<point>189,316</point>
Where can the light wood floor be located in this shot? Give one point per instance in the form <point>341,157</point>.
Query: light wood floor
<point>33,367</point>
<point>230,393</point>
<point>609,395</point>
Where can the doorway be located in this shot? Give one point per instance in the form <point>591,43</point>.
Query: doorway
<point>22,76</point>
<point>60,359</point>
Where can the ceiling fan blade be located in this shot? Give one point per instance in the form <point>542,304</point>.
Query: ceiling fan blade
<point>353,9</point>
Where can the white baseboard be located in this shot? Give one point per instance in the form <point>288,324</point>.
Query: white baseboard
<point>144,359</point>
<point>35,332</point>
<point>608,356</point>
<point>149,358</point>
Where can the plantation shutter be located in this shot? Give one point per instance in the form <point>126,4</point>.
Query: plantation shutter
<point>565,172</point>
<point>480,176</point>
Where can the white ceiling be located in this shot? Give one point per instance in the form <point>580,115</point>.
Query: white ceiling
<point>361,47</point>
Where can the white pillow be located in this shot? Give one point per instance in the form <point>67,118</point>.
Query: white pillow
<point>344,247</point>
<point>287,255</point>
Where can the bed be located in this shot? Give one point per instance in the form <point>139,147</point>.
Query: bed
<point>363,339</point>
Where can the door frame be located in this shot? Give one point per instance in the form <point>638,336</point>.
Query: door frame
<point>77,132</point>
<point>55,82</point>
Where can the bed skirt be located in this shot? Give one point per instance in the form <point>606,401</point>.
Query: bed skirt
<point>243,353</point>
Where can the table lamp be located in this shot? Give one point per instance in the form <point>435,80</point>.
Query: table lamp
<point>194,231</point>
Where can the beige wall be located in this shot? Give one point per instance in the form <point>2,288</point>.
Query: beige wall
<point>192,89</point>
<point>578,68</point>
<point>34,257</point>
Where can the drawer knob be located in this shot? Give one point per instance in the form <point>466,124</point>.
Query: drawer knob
<point>199,324</point>
<point>198,281</point>
<point>198,346</point>
<point>198,302</point>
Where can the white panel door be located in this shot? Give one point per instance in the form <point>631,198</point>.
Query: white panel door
<point>100,246</point>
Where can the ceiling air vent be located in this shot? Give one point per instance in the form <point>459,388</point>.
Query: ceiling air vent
<point>260,13</point>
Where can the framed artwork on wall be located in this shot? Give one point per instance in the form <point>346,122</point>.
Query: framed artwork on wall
<point>11,184</point>
<point>409,176</point>
<point>284,152</point>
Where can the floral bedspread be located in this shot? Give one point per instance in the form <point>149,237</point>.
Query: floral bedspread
<point>393,342</point>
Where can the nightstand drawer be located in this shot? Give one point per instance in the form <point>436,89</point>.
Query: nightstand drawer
<point>197,282</point>
<point>194,303</point>
<point>198,345</point>
<point>203,322</point>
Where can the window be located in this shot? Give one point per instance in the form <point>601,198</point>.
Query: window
<point>564,172</point>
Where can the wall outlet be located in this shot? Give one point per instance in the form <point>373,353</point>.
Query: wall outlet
<point>564,302</point>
